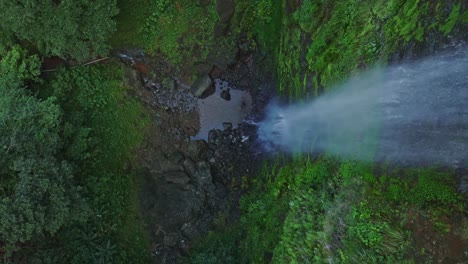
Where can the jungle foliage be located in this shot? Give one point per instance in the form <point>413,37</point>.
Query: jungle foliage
<point>67,193</point>
<point>68,29</point>
<point>66,142</point>
<point>66,196</point>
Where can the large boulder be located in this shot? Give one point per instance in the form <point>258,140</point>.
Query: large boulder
<point>226,95</point>
<point>177,177</point>
<point>203,86</point>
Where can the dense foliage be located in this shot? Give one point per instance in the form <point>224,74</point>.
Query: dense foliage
<point>66,139</point>
<point>69,29</point>
<point>37,194</point>
<point>330,39</point>
<point>65,195</point>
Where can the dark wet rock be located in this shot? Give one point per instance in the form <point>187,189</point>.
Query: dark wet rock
<point>190,231</point>
<point>184,246</point>
<point>197,148</point>
<point>176,157</point>
<point>202,84</point>
<point>127,59</point>
<point>177,177</point>
<point>189,166</point>
<point>211,90</point>
<point>227,125</point>
<point>171,239</point>
<point>226,95</point>
<point>215,73</point>
<point>202,176</point>
<point>225,9</point>
<point>171,206</point>
<point>231,153</point>
<point>166,165</point>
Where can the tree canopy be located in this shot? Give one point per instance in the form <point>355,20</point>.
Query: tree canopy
<point>66,28</point>
<point>35,186</point>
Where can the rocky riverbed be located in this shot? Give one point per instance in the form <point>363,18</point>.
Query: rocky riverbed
<point>198,149</point>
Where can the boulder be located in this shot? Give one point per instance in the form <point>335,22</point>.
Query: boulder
<point>177,177</point>
<point>226,95</point>
<point>201,85</point>
<point>202,176</point>
<point>170,206</point>
<point>196,149</point>
<point>190,231</point>
<point>171,239</point>
<point>189,166</point>
<point>227,125</point>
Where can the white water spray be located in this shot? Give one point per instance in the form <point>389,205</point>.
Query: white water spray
<point>415,113</point>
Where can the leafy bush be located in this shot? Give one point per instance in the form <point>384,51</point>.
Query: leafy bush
<point>435,189</point>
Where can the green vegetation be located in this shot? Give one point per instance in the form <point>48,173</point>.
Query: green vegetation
<point>261,20</point>
<point>345,36</point>
<point>67,140</point>
<point>188,34</point>
<point>181,30</point>
<point>100,127</point>
<point>67,190</point>
<point>314,210</point>
<point>36,195</point>
<point>130,21</point>
<point>68,29</point>
<point>65,193</point>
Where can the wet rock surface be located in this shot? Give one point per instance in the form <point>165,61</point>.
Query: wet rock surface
<point>203,86</point>
<point>185,183</point>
